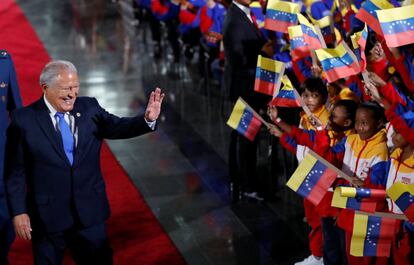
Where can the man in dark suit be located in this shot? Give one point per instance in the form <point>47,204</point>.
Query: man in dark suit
<point>243,42</point>
<point>9,100</point>
<point>53,179</point>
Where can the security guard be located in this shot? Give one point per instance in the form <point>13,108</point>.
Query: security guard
<point>9,100</point>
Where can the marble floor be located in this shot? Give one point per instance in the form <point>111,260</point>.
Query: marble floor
<point>181,169</point>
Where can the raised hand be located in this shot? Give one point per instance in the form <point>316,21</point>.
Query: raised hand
<point>154,105</point>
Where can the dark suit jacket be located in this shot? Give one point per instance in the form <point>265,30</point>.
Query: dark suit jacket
<point>242,45</point>
<point>39,178</point>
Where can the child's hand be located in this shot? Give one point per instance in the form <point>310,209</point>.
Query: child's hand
<point>373,92</point>
<point>316,70</point>
<point>272,113</point>
<point>356,182</point>
<point>274,130</point>
<point>376,80</point>
<point>315,121</point>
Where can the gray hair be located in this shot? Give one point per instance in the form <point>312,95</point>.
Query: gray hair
<point>52,70</point>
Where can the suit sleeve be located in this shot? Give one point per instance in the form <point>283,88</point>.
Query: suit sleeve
<point>233,46</point>
<point>15,177</point>
<point>114,127</point>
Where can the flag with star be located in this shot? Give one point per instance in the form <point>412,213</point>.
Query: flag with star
<point>312,178</point>
<point>372,236</point>
<point>337,62</point>
<point>243,119</point>
<point>285,97</point>
<point>298,47</point>
<point>352,192</point>
<point>367,13</point>
<point>257,10</point>
<point>281,15</point>
<point>310,33</point>
<point>348,202</point>
<point>403,196</point>
<point>359,42</point>
<point>397,24</point>
<point>268,75</point>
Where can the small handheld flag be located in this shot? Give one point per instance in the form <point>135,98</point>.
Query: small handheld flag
<point>245,120</point>
<point>397,24</point>
<point>268,75</point>
<point>353,192</point>
<point>368,15</point>
<point>372,236</point>
<point>281,15</point>
<point>359,42</point>
<point>285,97</point>
<point>338,62</point>
<point>339,201</point>
<point>312,178</point>
<point>403,196</point>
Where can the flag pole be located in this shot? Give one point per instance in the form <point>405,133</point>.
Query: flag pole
<point>255,113</point>
<point>335,169</point>
<point>302,104</point>
<point>353,56</point>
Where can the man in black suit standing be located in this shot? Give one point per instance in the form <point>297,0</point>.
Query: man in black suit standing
<point>54,184</point>
<point>243,42</point>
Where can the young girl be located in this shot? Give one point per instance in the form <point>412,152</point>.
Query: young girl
<point>314,96</point>
<point>363,156</point>
<point>401,169</point>
<point>340,124</point>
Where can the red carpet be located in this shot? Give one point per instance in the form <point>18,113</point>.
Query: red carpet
<point>136,236</point>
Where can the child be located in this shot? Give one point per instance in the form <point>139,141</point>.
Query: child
<point>401,169</point>
<point>314,96</point>
<point>363,156</point>
<point>340,124</point>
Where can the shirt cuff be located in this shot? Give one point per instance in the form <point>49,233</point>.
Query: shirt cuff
<point>151,124</point>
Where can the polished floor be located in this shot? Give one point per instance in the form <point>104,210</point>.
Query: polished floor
<point>181,169</point>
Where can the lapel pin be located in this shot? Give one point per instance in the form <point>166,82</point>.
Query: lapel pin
<point>78,114</point>
<point>3,85</point>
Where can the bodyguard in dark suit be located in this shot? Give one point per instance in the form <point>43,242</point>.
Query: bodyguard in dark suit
<point>243,42</point>
<point>53,178</point>
<point>9,100</point>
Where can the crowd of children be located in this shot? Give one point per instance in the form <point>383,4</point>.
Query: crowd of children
<point>364,127</point>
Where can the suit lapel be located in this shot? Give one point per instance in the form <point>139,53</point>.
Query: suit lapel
<point>45,122</point>
<point>246,21</point>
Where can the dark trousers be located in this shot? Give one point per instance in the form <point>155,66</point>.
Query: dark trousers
<point>6,239</point>
<point>88,246</point>
<point>242,163</point>
<point>333,243</point>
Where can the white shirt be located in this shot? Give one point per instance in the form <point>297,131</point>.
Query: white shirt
<point>70,119</point>
<point>245,10</point>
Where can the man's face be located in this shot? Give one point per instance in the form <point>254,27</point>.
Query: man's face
<point>63,92</point>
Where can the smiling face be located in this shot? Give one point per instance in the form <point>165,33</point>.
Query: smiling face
<point>62,93</point>
<point>313,100</point>
<point>365,124</point>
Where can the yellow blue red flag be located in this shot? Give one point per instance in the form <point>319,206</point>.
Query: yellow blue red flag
<point>372,236</point>
<point>359,42</point>
<point>353,192</point>
<point>397,24</point>
<point>268,75</point>
<point>243,119</point>
<point>347,202</point>
<point>367,13</point>
<point>403,196</point>
<point>337,62</point>
<point>312,178</point>
<point>285,97</point>
<point>280,15</point>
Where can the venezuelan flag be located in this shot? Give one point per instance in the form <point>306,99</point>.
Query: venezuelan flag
<point>268,75</point>
<point>359,42</point>
<point>312,179</point>
<point>403,195</point>
<point>368,15</point>
<point>365,205</point>
<point>285,97</point>
<point>352,192</point>
<point>281,15</point>
<point>298,47</point>
<point>310,34</point>
<point>397,24</point>
<point>372,236</point>
<point>337,63</point>
<point>243,120</point>
<point>257,10</point>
